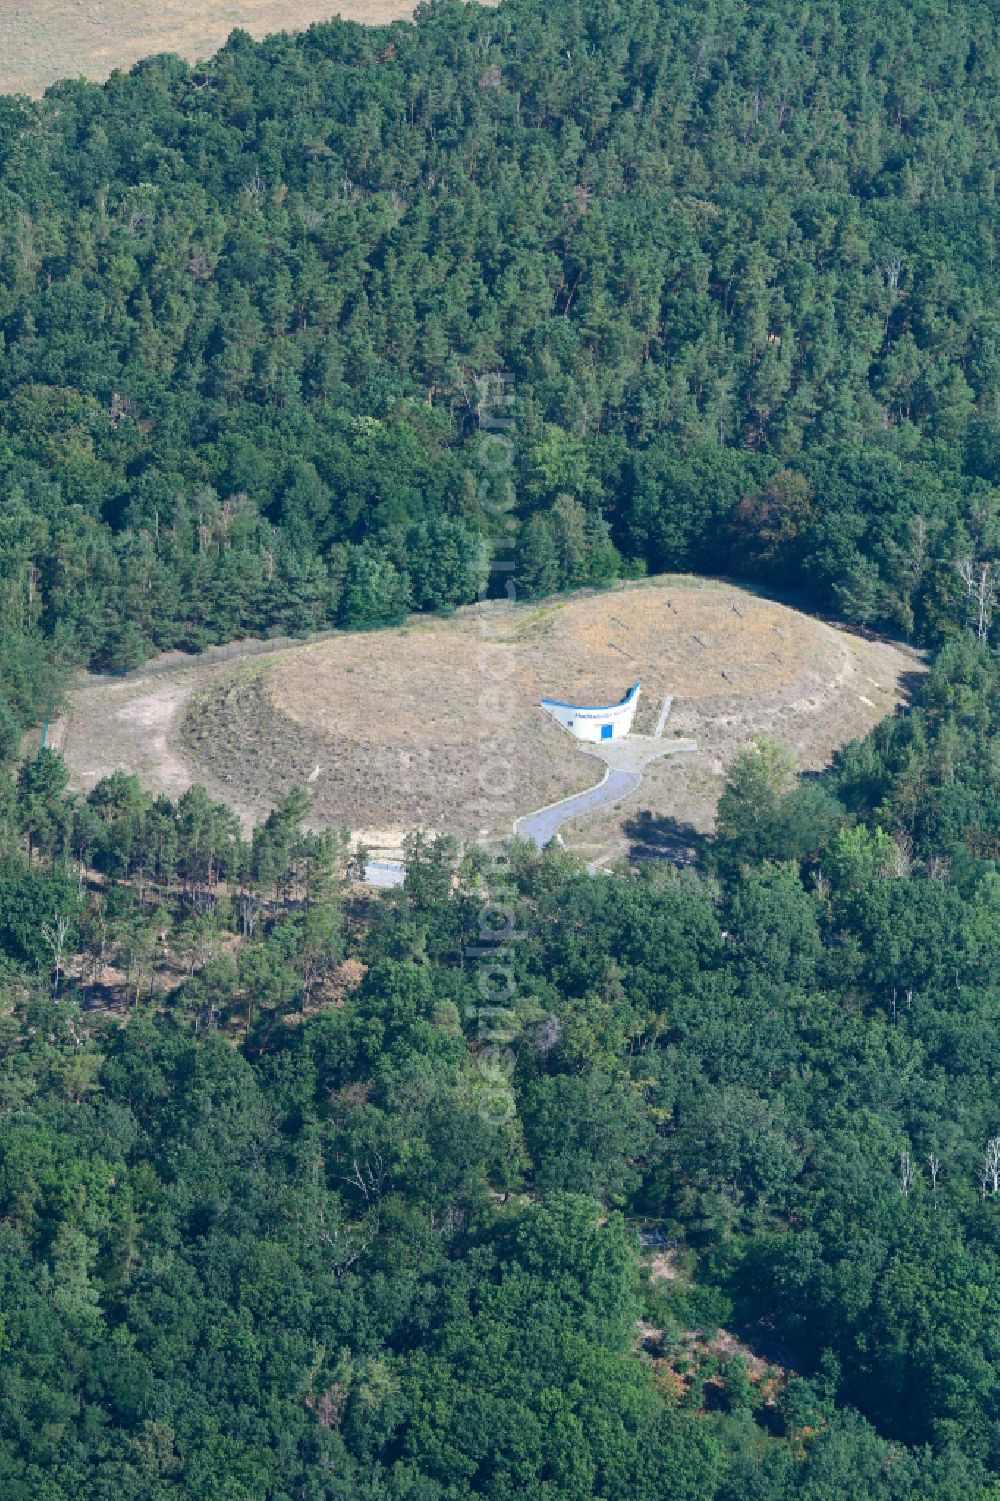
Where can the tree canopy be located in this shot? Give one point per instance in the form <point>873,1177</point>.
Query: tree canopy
<point>735,262</point>
<point>300,1194</point>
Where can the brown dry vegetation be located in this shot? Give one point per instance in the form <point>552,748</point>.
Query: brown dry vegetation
<point>436,724</point>
<point>44,40</point>
<point>826,687</point>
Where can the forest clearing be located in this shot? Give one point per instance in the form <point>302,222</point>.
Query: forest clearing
<point>394,1107</point>
<point>435,724</point>
<point>45,40</point>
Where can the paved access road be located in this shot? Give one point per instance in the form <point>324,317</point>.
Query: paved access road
<point>545,823</point>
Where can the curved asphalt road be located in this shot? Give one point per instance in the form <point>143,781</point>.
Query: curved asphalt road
<point>544,824</point>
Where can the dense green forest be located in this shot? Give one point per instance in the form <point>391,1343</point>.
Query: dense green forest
<point>738,262</point>
<point>293,1205</point>
<point>312,1195</point>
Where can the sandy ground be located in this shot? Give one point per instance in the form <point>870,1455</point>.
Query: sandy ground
<point>130,723</point>
<point>45,40</point>
<point>436,724</point>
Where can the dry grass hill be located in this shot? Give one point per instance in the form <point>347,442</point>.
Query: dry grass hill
<point>436,724</point>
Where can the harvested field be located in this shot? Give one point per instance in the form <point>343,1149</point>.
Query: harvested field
<point>45,40</point>
<point>436,724</point>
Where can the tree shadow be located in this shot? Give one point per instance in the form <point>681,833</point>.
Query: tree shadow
<point>659,837</point>
<point>910,685</point>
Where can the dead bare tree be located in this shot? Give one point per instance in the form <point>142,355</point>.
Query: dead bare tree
<point>372,1177</point>
<point>250,910</point>
<point>894,1001</point>
<point>905,1172</point>
<point>55,934</point>
<point>890,269</point>
<point>980,583</point>
<point>989,1173</point>
<point>345,1242</point>
<point>902,863</point>
<point>934,1166</point>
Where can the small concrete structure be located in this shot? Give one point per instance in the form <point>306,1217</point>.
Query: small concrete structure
<point>625,758</point>
<point>384,873</point>
<point>596,723</point>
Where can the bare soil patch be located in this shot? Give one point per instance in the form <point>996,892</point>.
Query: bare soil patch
<point>663,1267</point>
<point>45,40</point>
<point>436,724</point>
<point>130,723</point>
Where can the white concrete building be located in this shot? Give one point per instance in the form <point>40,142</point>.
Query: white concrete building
<point>589,722</point>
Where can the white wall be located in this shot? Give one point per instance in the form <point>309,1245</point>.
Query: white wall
<point>592,722</point>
